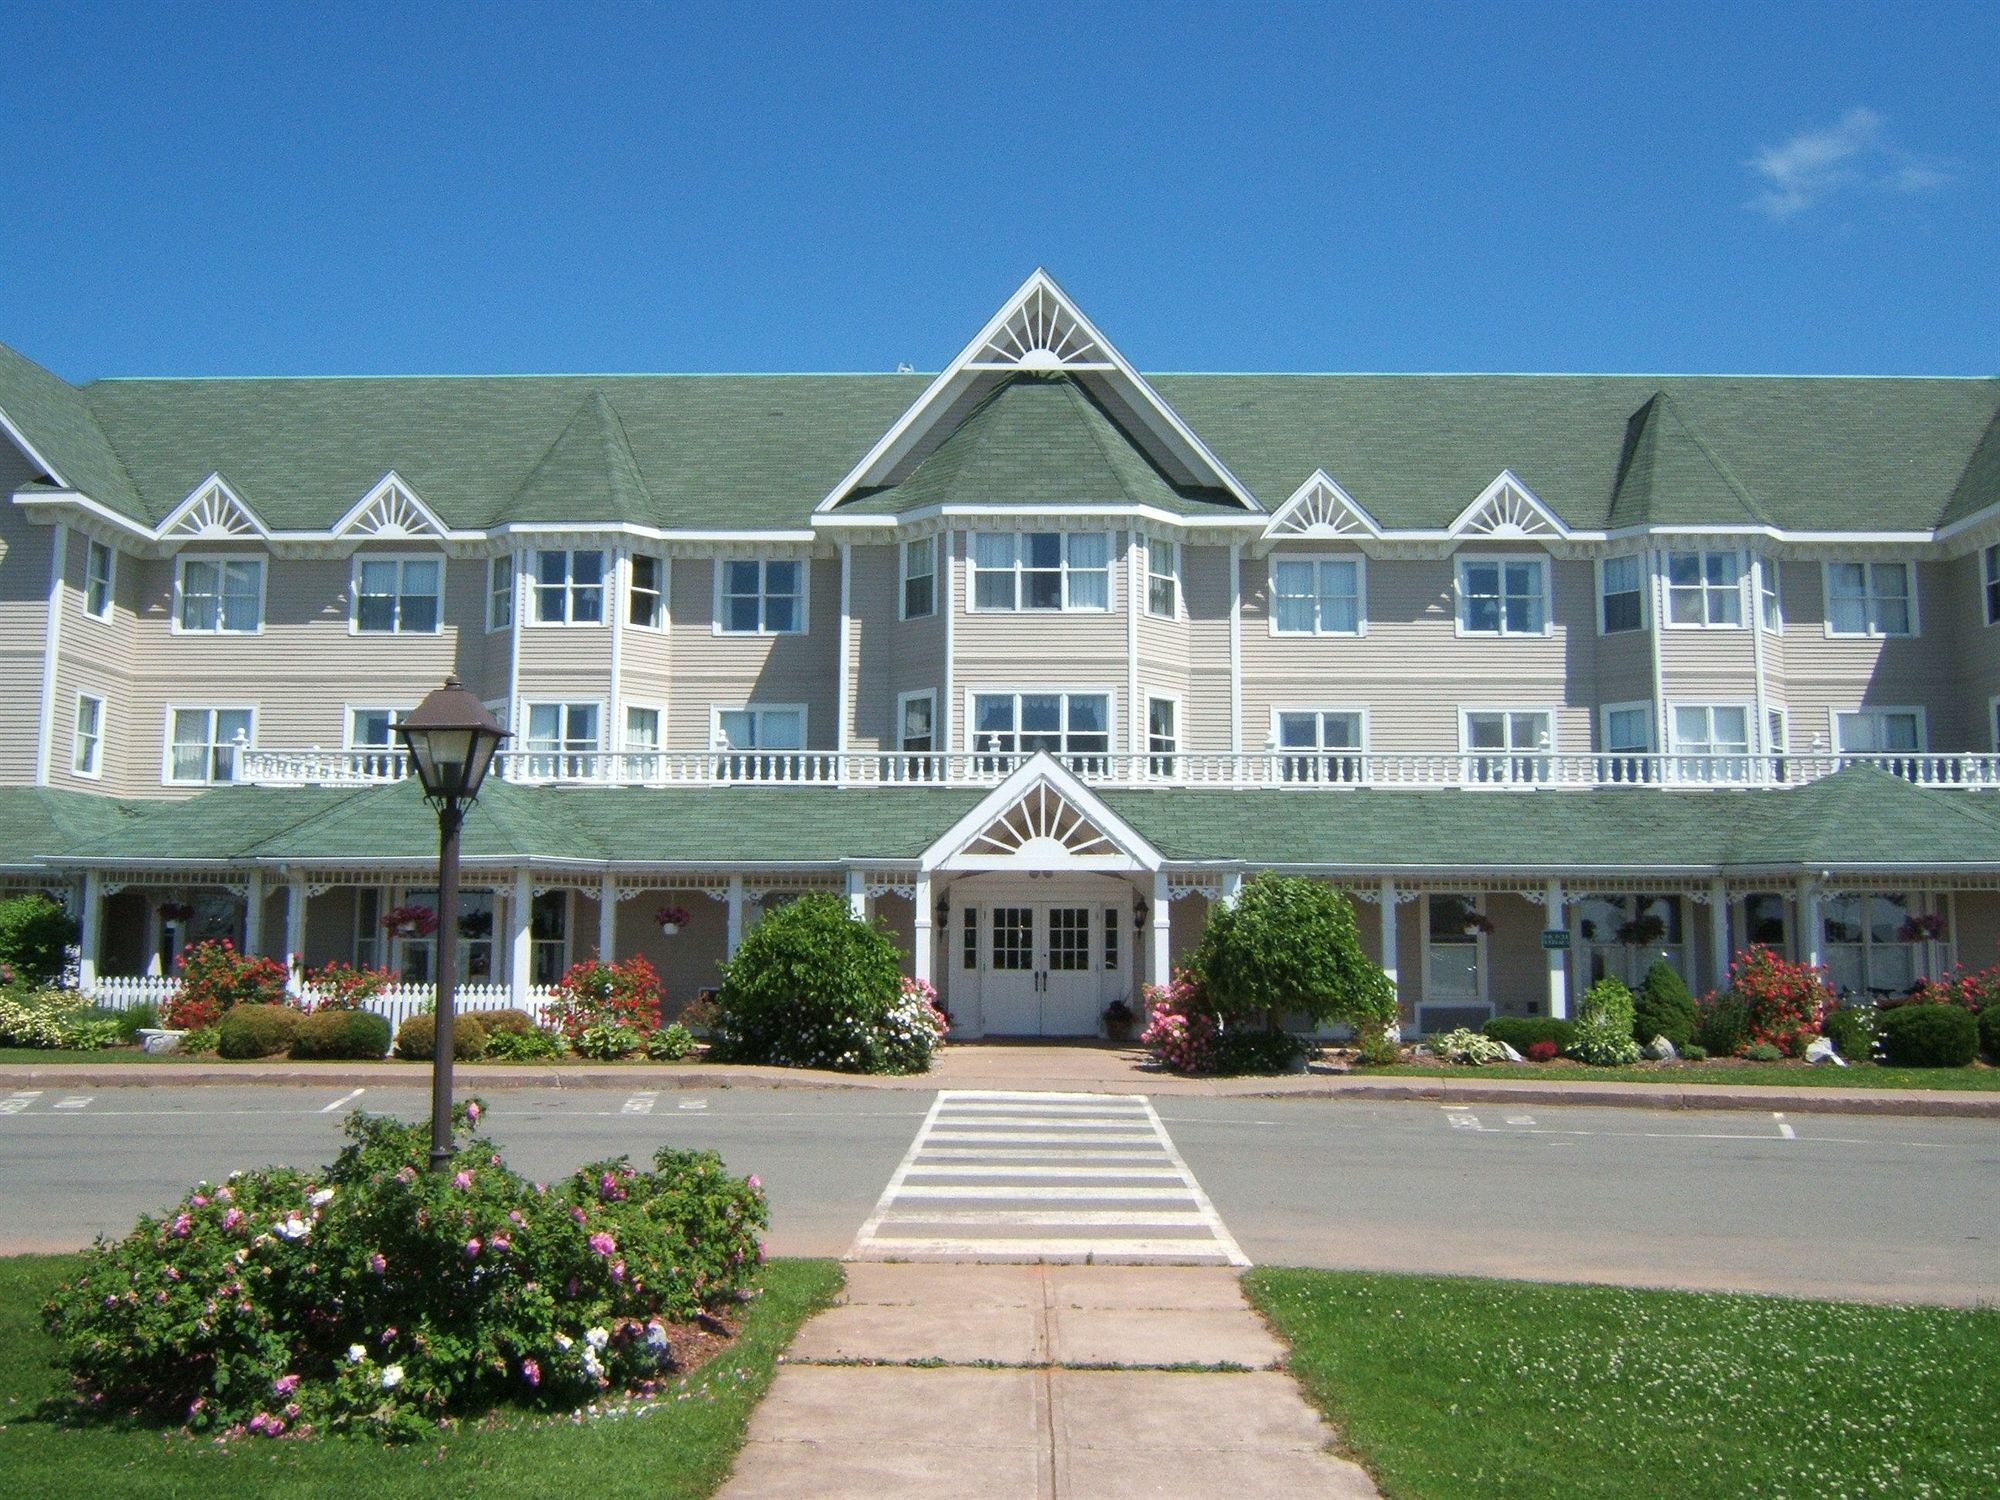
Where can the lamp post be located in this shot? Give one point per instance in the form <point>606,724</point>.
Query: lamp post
<point>451,739</point>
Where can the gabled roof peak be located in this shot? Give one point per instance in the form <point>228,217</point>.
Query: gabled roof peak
<point>1507,508</point>
<point>1321,508</point>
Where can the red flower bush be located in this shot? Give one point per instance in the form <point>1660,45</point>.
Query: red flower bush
<point>593,993</point>
<point>1969,991</point>
<point>339,986</point>
<point>214,978</point>
<point>1543,1051</point>
<point>1787,1002</point>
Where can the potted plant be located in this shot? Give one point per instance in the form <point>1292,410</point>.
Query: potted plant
<point>671,919</point>
<point>176,911</point>
<point>1925,929</point>
<point>1118,1019</point>
<point>409,921</point>
<point>1642,931</point>
<point>1478,924</point>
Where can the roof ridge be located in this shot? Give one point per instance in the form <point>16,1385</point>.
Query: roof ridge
<point>1694,436</point>
<point>1088,409</point>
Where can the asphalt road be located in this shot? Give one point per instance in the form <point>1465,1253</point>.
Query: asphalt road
<point>1881,1209</point>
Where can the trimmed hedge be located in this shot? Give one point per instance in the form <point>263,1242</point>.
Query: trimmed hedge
<point>341,1035</point>
<point>249,1031</point>
<point>416,1038</point>
<point>1989,1031</point>
<point>519,1022</point>
<point>1929,1036</point>
<point>1852,1029</point>
<point>1522,1032</point>
<point>1663,1007</point>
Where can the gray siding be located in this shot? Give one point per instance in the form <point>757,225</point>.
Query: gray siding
<point>709,669</point>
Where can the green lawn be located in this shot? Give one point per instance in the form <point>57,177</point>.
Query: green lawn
<point>1451,1387</point>
<point>1786,1075</point>
<point>33,1056</point>
<point>682,1449</point>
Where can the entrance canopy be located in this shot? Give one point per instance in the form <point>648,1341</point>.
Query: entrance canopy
<point>1042,818</point>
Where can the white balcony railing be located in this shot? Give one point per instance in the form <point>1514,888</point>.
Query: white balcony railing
<point>1293,770</point>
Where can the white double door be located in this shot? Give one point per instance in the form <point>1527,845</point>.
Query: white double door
<point>1043,968</point>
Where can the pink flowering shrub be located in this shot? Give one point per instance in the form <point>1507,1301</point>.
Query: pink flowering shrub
<point>1180,1028</point>
<point>596,997</point>
<point>1968,990</point>
<point>1786,1002</point>
<point>376,1296</point>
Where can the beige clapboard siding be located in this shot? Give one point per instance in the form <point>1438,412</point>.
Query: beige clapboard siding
<point>1624,673</point>
<point>1710,666</point>
<point>24,591</point>
<point>731,671</point>
<point>887,656</point>
<point>96,656</point>
<point>1976,647</point>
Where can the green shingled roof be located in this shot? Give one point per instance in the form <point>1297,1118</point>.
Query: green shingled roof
<point>1667,475</point>
<point>38,821</point>
<point>56,418</point>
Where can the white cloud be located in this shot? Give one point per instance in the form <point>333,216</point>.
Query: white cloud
<point>1855,152</point>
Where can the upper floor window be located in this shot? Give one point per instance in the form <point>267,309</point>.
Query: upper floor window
<point>1992,555</point>
<point>87,757</point>
<point>220,595</point>
<point>1870,599</point>
<point>1508,745</point>
<point>761,597</point>
<point>919,562</point>
<point>1770,602</point>
<point>642,730</point>
<point>1879,731</point>
<point>1162,734</point>
<point>1041,570</point>
<point>1321,730</point>
<point>1628,728</point>
<point>647,605</point>
<point>500,593</point>
<point>397,595</point>
<point>1061,723</point>
<point>98,571</point>
<point>371,728</point>
<point>916,727</point>
<point>569,588</point>
<point>1704,588</point>
<point>1503,596</point>
<point>1316,596</point>
<point>1163,579</point>
<point>778,728</point>
<point>1715,737</point>
<point>560,738</point>
<point>1622,594</point>
<point>202,743</point>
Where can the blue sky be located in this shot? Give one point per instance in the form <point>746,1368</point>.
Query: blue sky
<point>356,189</point>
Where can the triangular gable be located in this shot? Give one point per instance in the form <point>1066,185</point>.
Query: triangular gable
<point>1041,818</point>
<point>1039,329</point>
<point>1508,508</point>
<point>213,512</point>
<point>1321,509</point>
<point>391,511</point>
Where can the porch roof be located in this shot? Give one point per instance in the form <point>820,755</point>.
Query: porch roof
<point>37,822</point>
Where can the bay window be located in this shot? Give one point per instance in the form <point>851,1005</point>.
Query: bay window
<point>1163,579</point>
<point>1070,725</point>
<point>1711,741</point>
<point>98,571</point>
<point>562,737</point>
<point>919,563</point>
<point>569,588</point>
<point>1621,594</point>
<point>646,603</point>
<point>500,593</point>
<point>1627,741</point>
<point>87,753</point>
<point>779,727</point>
<point>1704,588</point>
<point>1162,734</point>
<point>1041,570</point>
<point>1875,599</point>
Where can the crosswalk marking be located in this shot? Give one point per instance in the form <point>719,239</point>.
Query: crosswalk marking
<point>641,1103</point>
<point>74,1101</point>
<point>1015,1175</point>
<point>15,1103</point>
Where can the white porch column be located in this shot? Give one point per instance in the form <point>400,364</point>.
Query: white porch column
<point>253,914</point>
<point>295,934</point>
<point>1163,962</point>
<point>1812,931</point>
<point>735,939</point>
<point>1232,887</point>
<point>90,930</point>
<point>1558,958</point>
<point>607,918</point>
<point>1718,934</point>
<point>857,896</point>
<point>1389,939</point>
<point>921,959</point>
<point>520,955</point>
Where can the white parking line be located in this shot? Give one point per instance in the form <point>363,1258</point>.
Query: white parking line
<point>74,1101</point>
<point>694,1104</point>
<point>641,1103</point>
<point>1784,1129</point>
<point>343,1100</point>
<point>15,1103</point>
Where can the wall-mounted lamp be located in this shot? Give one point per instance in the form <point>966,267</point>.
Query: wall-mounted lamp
<point>1140,911</point>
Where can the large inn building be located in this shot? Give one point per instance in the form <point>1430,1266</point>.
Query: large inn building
<point>1034,659</point>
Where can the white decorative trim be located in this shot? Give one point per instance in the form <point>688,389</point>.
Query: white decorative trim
<point>391,511</point>
<point>1321,508</point>
<point>1508,508</point>
<point>1180,887</point>
<point>1050,834</point>
<point>213,512</point>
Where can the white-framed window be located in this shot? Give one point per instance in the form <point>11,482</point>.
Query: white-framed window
<point>1320,744</point>
<point>1163,578</point>
<point>1163,738</point>
<point>1879,731</point>
<point>1065,724</point>
<point>561,737</point>
<point>548,938</point>
<point>1992,566</point>
<point>760,596</point>
<point>1704,589</point>
<point>373,730</point>
<point>1993,722</point>
<point>1711,740</point>
<point>916,723</point>
<point>1778,731</point>
<point>1318,596</point>
<point>779,726</point>
<point>1870,943</point>
<point>642,729</point>
<point>397,595</point>
<point>646,603</point>
<point>100,571</point>
<point>1621,937</point>
<point>1454,947</point>
<point>500,592</point>
<point>1621,594</point>
<point>1503,596</point>
<point>1041,570</point>
<point>1507,745</point>
<point>416,957</point>
<point>569,587</point>
<point>87,756</point>
<point>201,743</point>
<point>1625,731</point>
<point>1770,597</point>
<point>1870,599</point>
<point>219,596</point>
<point>1114,918</point>
<point>918,564</point>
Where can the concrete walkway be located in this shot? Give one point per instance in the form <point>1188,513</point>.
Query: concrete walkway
<point>1038,1383</point>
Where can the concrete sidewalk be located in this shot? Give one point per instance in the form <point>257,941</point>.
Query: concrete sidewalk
<point>1038,1383</point>
<point>1088,1066</point>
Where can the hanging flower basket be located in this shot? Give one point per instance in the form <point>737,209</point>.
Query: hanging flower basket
<point>1477,923</point>
<point>1642,932</point>
<point>409,921</point>
<point>1925,929</point>
<point>176,911</point>
<point>671,919</point>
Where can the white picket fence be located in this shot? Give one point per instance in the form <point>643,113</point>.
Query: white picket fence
<point>397,1003</point>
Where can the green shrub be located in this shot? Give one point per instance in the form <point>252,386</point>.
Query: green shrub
<point>1604,1026</point>
<point>378,1297</point>
<point>813,986</point>
<point>1694,1052</point>
<point>506,1020</point>
<point>534,1045</point>
<point>1663,1007</point>
<point>36,935</point>
<point>670,1043</point>
<point>136,1018</point>
<point>1376,1049</point>
<point>1852,1029</point>
<point>1522,1032</point>
<point>1787,1001</point>
<point>1929,1036</point>
<point>1252,1049</point>
<point>1467,1049</point>
<point>416,1038</point>
<point>1989,1032</point>
<point>344,1035</point>
<point>607,1041</point>
<point>1764,1052</point>
<point>249,1031</point>
<point>1725,1024</point>
<point>1289,945</point>
<point>46,1018</point>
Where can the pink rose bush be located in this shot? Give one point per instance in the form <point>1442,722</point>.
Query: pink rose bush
<point>378,1297</point>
